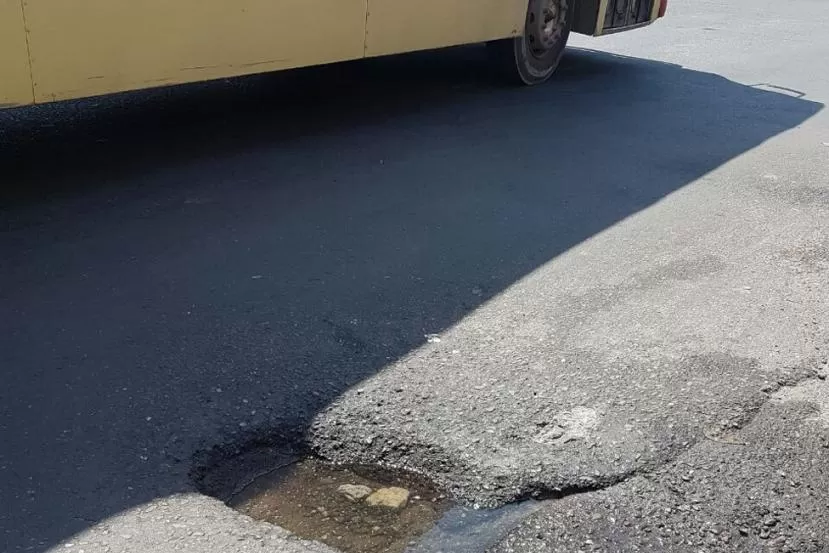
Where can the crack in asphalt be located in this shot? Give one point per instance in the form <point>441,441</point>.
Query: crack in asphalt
<point>232,456</point>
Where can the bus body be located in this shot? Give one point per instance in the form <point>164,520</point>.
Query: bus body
<point>57,50</point>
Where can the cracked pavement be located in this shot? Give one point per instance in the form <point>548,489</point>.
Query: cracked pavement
<point>763,488</point>
<point>614,284</point>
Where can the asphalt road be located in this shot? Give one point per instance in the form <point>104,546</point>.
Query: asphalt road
<point>623,275</point>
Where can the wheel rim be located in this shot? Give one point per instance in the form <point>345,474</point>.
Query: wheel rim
<point>545,25</point>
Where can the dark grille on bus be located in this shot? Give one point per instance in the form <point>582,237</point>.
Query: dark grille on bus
<point>623,13</point>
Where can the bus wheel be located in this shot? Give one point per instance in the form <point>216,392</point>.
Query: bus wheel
<point>533,57</point>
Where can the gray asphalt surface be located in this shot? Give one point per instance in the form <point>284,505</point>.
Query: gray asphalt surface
<point>622,275</point>
<point>762,488</point>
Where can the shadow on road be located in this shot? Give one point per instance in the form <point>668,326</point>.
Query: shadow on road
<point>181,266</point>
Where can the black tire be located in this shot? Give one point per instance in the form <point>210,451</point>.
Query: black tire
<point>532,58</point>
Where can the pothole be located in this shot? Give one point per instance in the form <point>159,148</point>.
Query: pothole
<point>355,509</point>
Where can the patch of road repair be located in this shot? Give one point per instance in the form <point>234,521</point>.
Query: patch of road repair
<point>529,433</point>
<point>378,507</point>
<point>765,488</point>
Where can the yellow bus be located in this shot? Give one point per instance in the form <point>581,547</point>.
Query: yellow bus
<point>54,50</point>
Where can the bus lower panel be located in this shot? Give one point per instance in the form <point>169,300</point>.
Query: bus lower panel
<point>626,13</point>
<point>620,14</point>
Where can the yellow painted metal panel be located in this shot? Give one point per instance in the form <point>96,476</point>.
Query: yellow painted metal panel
<point>88,47</point>
<point>405,25</point>
<point>15,79</point>
<point>600,17</point>
<point>655,11</point>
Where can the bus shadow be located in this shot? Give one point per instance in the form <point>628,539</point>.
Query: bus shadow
<point>182,265</point>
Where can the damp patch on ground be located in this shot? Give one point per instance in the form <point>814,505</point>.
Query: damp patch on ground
<point>354,509</point>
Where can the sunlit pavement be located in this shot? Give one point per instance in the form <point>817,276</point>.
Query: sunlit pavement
<point>615,282</point>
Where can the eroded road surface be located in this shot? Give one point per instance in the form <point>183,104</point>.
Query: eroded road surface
<point>610,293</point>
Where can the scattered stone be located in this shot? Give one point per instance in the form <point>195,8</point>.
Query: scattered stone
<point>391,498</point>
<point>556,432</point>
<point>550,435</point>
<point>355,492</point>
